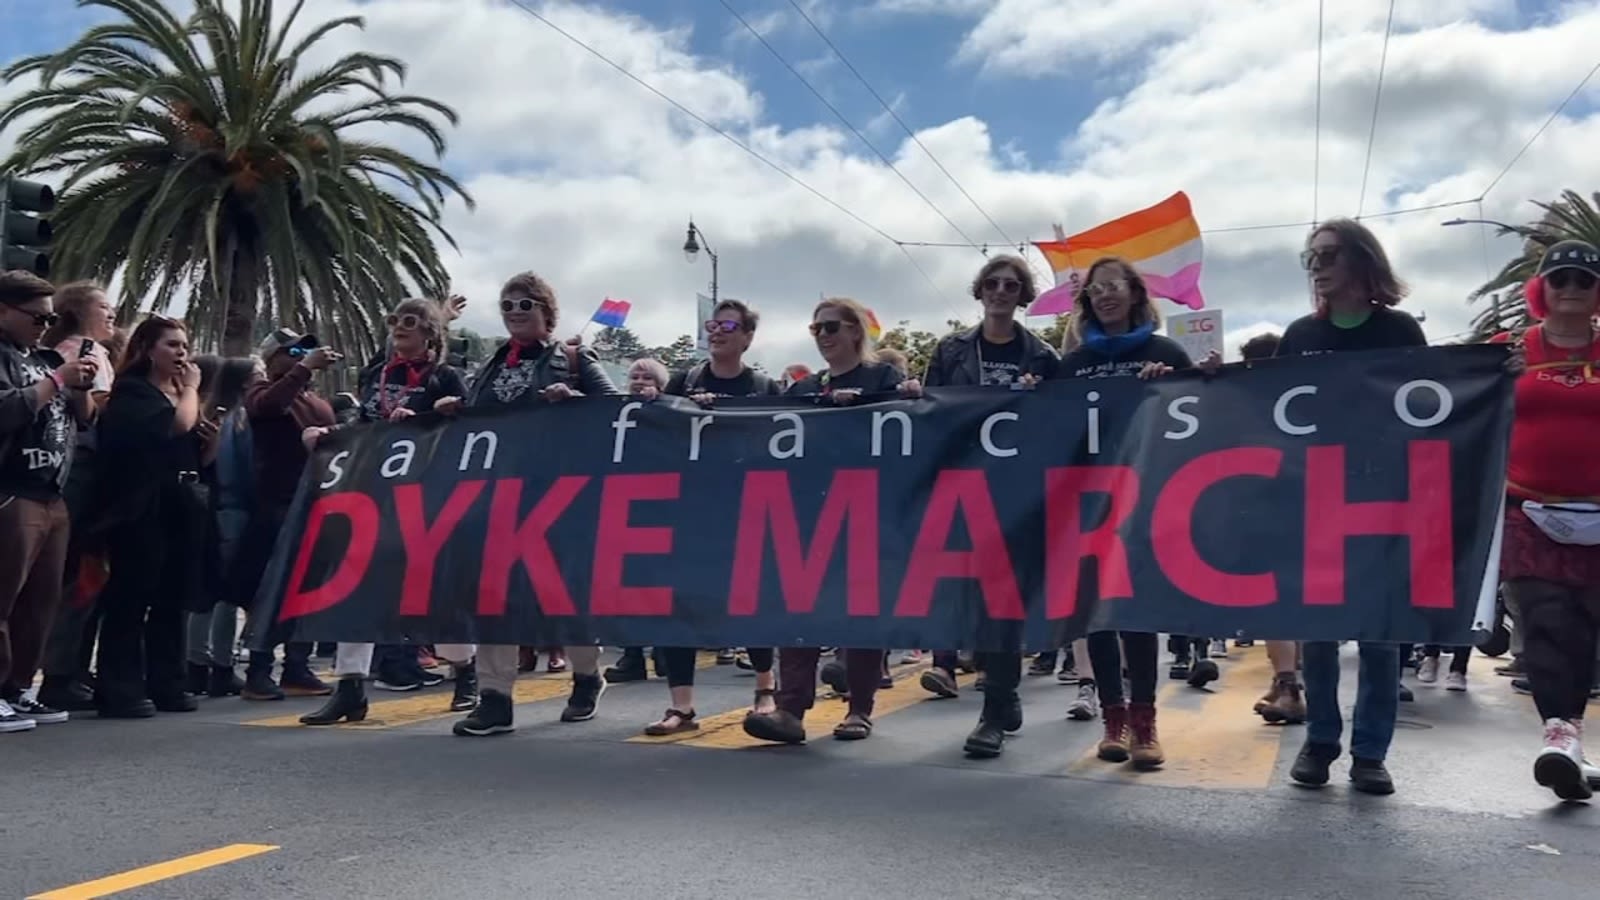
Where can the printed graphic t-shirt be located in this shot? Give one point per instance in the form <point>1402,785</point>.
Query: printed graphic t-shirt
<point>999,364</point>
<point>36,462</point>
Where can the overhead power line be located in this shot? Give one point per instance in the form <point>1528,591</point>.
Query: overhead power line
<point>899,121</point>
<point>725,135</point>
<point>1377,101</point>
<point>1316,151</point>
<point>1536,134</point>
<point>846,122</point>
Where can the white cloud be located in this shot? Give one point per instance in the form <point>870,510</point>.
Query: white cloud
<point>588,179</point>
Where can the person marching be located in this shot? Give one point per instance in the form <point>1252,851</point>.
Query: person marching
<point>1001,353</point>
<point>391,389</point>
<point>532,365</point>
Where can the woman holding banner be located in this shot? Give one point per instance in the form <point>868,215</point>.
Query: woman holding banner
<point>1115,323</point>
<point>1002,353</point>
<point>1356,291</point>
<point>390,389</point>
<point>532,366</point>
<point>1550,560</point>
<point>839,327</point>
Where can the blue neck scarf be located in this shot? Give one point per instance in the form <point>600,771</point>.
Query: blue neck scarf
<point>1113,346</point>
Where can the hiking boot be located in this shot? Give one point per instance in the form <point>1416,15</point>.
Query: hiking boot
<point>986,741</point>
<point>349,702</point>
<point>491,716</point>
<point>1311,766</point>
<point>1270,697</point>
<point>1369,776</point>
<point>1144,747</point>
<point>1114,747</point>
<point>585,699</point>
<point>1290,706</point>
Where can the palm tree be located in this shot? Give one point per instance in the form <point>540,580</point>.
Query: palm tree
<point>1570,218</point>
<point>208,163</point>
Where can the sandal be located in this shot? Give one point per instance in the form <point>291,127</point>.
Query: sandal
<point>855,727</point>
<point>755,706</point>
<point>685,722</point>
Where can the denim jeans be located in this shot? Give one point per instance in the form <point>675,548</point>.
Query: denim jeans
<point>1377,698</point>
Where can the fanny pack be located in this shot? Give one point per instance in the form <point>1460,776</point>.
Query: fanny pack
<point>1566,523</point>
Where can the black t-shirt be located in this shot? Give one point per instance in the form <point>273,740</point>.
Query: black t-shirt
<point>999,364</point>
<point>1088,362</point>
<point>1385,328</point>
<point>390,388</point>
<point>509,385</point>
<point>869,378</point>
<point>745,384</point>
<point>36,462</point>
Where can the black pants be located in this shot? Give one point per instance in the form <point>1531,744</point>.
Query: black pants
<point>1459,656</point>
<point>142,615</point>
<point>1193,647</point>
<point>1105,651</point>
<point>255,554</point>
<point>1561,624</point>
<point>69,652</point>
<point>679,662</point>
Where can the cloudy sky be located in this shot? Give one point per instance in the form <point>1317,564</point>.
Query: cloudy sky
<point>1040,111</point>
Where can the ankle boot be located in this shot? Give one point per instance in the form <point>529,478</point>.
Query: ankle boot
<point>349,702</point>
<point>1114,746</point>
<point>224,682</point>
<point>1145,747</point>
<point>1290,706</point>
<point>1269,698</point>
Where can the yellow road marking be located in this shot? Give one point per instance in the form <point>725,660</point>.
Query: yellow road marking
<point>1211,740</point>
<point>725,731</point>
<point>113,884</point>
<point>426,706</point>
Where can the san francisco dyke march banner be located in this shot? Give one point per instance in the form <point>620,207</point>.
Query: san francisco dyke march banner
<point>1354,496</point>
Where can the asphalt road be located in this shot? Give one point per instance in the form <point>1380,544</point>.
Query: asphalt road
<point>236,801</point>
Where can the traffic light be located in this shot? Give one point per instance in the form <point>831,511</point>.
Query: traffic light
<point>25,238</point>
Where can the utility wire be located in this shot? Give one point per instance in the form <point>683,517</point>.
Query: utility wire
<point>1316,152</point>
<point>901,122</point>
<point>728,137</point>
<point>1558,110</point>
<point>1377,100</point>
<point>853,130</point>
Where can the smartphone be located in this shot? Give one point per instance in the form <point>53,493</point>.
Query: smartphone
<point>86,348</point>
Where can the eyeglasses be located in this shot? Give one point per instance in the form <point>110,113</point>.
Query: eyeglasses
<point>1323,258</point>
<point>726,326</point>
<point>827,326</point>
<point>1102,288</point>
<point>41,320</point>
<point>523,304</point>
<point>1003,285</point>
<point>1578,278</point>
<point>408,321</point>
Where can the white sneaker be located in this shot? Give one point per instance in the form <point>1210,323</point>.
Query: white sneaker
<point>28,708</point>
<point>1219,649</point>
<point>1086,706</point>
<point>10,721</point>
<point>1559,766</point>
<point>1455,681</point>
<point>1428,670</point>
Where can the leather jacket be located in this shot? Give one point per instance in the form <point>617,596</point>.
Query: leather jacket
<point>955,360</point>
<point>579,367</point>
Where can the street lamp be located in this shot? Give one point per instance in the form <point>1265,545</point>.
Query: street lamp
<point>691,249</point>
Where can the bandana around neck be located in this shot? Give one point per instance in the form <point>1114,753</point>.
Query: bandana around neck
<point>1116,345</point>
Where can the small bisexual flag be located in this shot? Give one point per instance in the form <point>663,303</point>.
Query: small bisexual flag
<point>612,313</point>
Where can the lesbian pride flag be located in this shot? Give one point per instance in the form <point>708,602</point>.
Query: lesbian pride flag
<point>1162,242</point>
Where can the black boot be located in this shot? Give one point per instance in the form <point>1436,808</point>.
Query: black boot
<point>985,741</point>
<point>466,693</point>
<point>224,682</point>
<point>493,716</point>
<point>199,680</point>
<point>629,667</point>
<point>349,703</point>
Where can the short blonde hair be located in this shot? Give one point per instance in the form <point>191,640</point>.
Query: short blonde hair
<point>856,314</point>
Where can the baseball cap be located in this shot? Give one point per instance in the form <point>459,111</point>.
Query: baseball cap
<point>1571,255</point>
<point>283,339</point>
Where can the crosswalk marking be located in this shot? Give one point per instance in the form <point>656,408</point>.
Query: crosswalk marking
<point>427,706</point>
<point>725,731</point>
<point>1209,737</point>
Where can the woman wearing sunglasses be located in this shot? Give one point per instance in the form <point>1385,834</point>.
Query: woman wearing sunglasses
<point>407,381</point>
<point>729,331</point>
<point>838,325</point>
<point>531,367</point>
<point>1115,322</point>
<point>1550,562</point>
<point>1000,353</point>
<point>1356,291</point>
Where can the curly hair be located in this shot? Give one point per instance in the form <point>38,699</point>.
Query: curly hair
<point>1028,290</point>
<point>1141,312</point>
<point>535,288</point>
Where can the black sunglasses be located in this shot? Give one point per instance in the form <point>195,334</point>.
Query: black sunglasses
<point>42,320</point>
<point>829,326</point>
<point>524,304</point>
<point>1578,278</point>
<point>1004,285</point>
